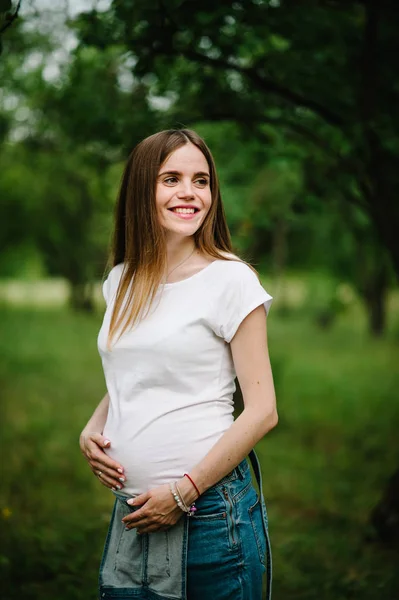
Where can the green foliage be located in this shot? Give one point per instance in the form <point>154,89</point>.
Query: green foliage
<point>55,199</point>
<point>99,103</point>
<point>5,6</point>
<point>7,17</point>
<point>309,75</point>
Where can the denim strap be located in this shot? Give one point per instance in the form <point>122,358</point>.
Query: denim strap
<point>258,474</point>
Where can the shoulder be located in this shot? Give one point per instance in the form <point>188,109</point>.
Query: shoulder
<point>234,268</point>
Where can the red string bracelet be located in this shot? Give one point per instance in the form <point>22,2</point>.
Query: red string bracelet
<point>197,490</point>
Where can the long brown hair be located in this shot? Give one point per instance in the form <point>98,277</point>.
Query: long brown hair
<point>139,239</point>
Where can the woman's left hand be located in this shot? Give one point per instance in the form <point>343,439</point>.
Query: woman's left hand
<point>158,511</point>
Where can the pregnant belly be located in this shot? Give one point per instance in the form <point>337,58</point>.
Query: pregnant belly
<point>155,456</point>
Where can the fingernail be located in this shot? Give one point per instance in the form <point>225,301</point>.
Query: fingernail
<point>114,489</point>
<point>127,529</point>
<point>118,487</point>
<point>107,443</point>
<point>120,470</point>
<point>121,479</point>
<point>130,502</point>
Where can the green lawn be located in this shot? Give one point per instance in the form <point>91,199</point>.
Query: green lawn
<point>324,465</point>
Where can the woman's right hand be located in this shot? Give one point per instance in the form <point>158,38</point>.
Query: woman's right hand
<point>109,472</point>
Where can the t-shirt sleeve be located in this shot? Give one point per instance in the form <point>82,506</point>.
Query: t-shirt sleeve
<point>105,287</point>
<point>110,285</point>
<point>238,295</point>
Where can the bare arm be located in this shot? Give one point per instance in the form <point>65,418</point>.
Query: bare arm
<point>252,365</point>
<point>92,444</point>
<point>97,420</point>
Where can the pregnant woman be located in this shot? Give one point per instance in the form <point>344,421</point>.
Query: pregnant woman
<point>184,317</point>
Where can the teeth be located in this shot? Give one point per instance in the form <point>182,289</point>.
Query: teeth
<point>184,211</point>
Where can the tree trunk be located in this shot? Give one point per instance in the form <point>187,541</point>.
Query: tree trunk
<point>377,314</point>
<point>374,294</point>
<point>280,247</point>
<point>380,194</point>
<point>385,516</point>
<point>81,297</point>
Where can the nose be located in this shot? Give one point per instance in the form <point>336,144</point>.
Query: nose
<point>185,189</point>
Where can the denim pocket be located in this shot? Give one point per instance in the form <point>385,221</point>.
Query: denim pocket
<point>128,546</point>
<point>210,505</point>
<point>214,520</point>
<point>255,515</point>
<point>121,566</point>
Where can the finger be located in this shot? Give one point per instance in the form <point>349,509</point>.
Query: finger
<point>153,521</point>
<point>146,521</point>
<point>106,481</point>
<point>99,456</point>
<point>128,526</point>
<point>100,440</point>
<point>110,473</point>
<point>107,485</point>
<point>135,518</point>
<point>94,451</point>
<point>140,499</point>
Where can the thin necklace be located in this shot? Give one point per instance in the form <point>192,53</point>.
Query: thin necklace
<point>183,261</point>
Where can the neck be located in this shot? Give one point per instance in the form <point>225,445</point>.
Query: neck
<point>178,250</point>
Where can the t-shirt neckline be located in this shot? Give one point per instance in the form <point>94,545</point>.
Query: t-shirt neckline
<point>174,283</point>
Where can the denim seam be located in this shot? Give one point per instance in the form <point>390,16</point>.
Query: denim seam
<point>243,470</point>
<point>167,554</point>
<point>184,559</point>
<point>145,553</point>
<point>106,545</point>
<point>239,495</point>
<point>227,479</point>
<point>256,534</point>
<point>215,517</point>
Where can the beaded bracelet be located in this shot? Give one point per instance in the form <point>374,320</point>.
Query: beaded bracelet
<point>180,502</point>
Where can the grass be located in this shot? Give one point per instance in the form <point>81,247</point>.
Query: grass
<point>328,460</point>
<point>324,466</point>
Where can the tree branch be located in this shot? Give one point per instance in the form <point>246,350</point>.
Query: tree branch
<point>297,128</point>
<point>12,18</point>
<point>263,83</point>
<point>268,86</point>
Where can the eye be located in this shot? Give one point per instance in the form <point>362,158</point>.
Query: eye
<point>170,180</point>
<point>202,182</point>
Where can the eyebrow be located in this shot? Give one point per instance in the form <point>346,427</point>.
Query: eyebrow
<point>199,174</point>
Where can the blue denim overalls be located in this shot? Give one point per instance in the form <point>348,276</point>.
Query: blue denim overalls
<point>220,553</point>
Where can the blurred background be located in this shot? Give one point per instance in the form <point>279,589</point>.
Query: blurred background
<point>299,104</point>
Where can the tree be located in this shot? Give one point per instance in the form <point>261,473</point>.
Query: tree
<point>59,142</point>
<point>325,73</point>
<point>7,17</point>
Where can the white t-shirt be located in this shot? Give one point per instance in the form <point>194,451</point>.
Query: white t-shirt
<point>171,378</point>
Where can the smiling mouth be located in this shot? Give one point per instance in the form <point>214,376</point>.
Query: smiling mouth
<point>184,211</point>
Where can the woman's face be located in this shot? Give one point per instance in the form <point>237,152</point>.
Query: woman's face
<point>183,193</point>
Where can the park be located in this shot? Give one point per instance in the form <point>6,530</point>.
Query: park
<point>298,104</point>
